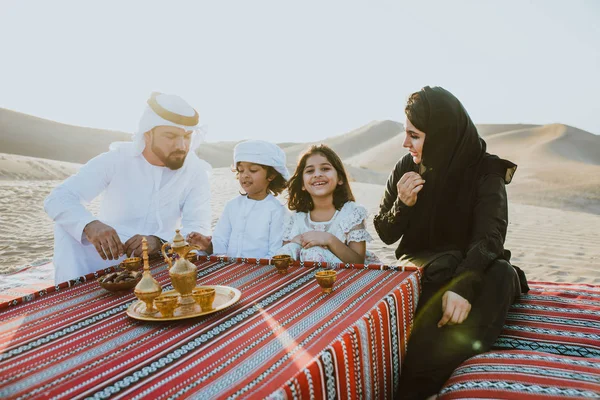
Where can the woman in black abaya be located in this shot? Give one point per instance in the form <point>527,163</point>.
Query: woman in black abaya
<point>446,202</point>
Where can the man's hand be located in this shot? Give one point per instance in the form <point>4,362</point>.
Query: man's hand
<point>133,247</point>
<point>105,240</point>
<point>315,238</point>
<point>455,307</point>
<point>408,187</point>
<point>198,239</point>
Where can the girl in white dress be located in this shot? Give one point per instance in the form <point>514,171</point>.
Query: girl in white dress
<point>252,223</point>
<point>328,226</point>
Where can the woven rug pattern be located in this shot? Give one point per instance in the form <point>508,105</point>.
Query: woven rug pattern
<point>284,337</point>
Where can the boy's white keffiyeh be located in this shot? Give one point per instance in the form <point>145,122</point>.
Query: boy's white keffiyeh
<point>262,152</point>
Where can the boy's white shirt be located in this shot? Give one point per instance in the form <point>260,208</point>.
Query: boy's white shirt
<point>136,201</point>
<point>250,228</point>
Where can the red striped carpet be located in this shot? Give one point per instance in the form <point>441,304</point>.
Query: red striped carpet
<point>284,337</point>
<point>555,318</point>
<point>517,374</point>
<point>552,335</point>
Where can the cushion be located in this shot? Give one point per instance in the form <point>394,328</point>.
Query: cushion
<point>555,318</point>
<point>517,374</point>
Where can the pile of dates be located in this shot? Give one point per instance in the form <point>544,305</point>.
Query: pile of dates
<point>121,276</point>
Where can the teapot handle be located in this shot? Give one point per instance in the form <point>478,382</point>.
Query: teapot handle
<point>166,253</point>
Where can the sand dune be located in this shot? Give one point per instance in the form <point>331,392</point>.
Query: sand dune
<point>37,137</point>
<point>559,166</point>
<point>555,142</point>
<point>218,154</point>
<point>353,142</point>
<point>350,144</point>
<point>486,130</point>
<point>381,157</point>
<point>14,167</point>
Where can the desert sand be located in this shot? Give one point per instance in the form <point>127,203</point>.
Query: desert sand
<point>554,210</point>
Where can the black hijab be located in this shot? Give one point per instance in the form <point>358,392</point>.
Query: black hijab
<point>455,158</point>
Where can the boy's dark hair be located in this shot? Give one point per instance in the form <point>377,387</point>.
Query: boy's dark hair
<point>276,186</point>
<point>300,200</point>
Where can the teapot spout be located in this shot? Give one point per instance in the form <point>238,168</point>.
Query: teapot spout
<point>188,249</point>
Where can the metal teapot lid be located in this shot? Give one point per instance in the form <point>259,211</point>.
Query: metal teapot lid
<point>178,240</point>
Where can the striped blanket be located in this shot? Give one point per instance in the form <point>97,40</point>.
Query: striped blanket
<point>557,318</point>
<point>284,338</point>
<point>549,349</point>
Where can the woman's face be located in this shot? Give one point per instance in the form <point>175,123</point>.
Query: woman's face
<point>414,141</point>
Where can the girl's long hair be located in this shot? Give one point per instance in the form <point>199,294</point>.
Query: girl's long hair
<point>300,200</point>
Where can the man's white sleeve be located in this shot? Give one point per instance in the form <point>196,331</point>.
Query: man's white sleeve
<point>65,203</point>
<point>196,212</point>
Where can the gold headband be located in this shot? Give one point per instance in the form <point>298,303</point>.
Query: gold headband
<point>169,115</point>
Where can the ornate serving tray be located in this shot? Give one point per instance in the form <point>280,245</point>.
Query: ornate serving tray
<point>225,296</point>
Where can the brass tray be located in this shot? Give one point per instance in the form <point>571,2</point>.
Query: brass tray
<point>225,296</point>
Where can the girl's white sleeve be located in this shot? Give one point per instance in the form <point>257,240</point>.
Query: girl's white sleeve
<point>355,225</point>
<point>288,226</point>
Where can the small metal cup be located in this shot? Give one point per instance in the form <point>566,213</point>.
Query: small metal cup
<point>166,304</point>
<point>326,279</point>
<point>204,297</point>
<point>282,262</point>
<point>132,263</point>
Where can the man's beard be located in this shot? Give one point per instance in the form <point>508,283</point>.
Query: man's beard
<point>173,161</point>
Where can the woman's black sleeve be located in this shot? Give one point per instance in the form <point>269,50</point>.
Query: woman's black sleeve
<point>490,222</point>
<point>392,220</point>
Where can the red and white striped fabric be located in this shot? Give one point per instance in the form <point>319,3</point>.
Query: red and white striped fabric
<point>284,338</point>
<point>523,375</point>
<point>555,318</point>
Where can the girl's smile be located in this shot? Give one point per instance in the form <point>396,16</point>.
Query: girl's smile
<point>319,178</point>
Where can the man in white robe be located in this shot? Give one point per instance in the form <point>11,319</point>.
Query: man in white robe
<point>151,186</point>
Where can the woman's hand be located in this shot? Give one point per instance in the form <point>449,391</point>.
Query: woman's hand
<point>408,187</point>
<point>315,238</point>
<point>198,239</point>
<point>455,307</point>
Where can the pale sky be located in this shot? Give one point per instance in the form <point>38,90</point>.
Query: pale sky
<point>300,71</point>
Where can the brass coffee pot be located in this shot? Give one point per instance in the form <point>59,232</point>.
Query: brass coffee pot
<point>182,272</point>
<point>147,288</point>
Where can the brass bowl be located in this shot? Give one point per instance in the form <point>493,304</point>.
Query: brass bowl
<point>166,304</point>
<point>326,279</point>
<point>121,285</point>
<point>191,256</point>
<point>132,263</point>
<point>282,262</point>
<point>204,297</point>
